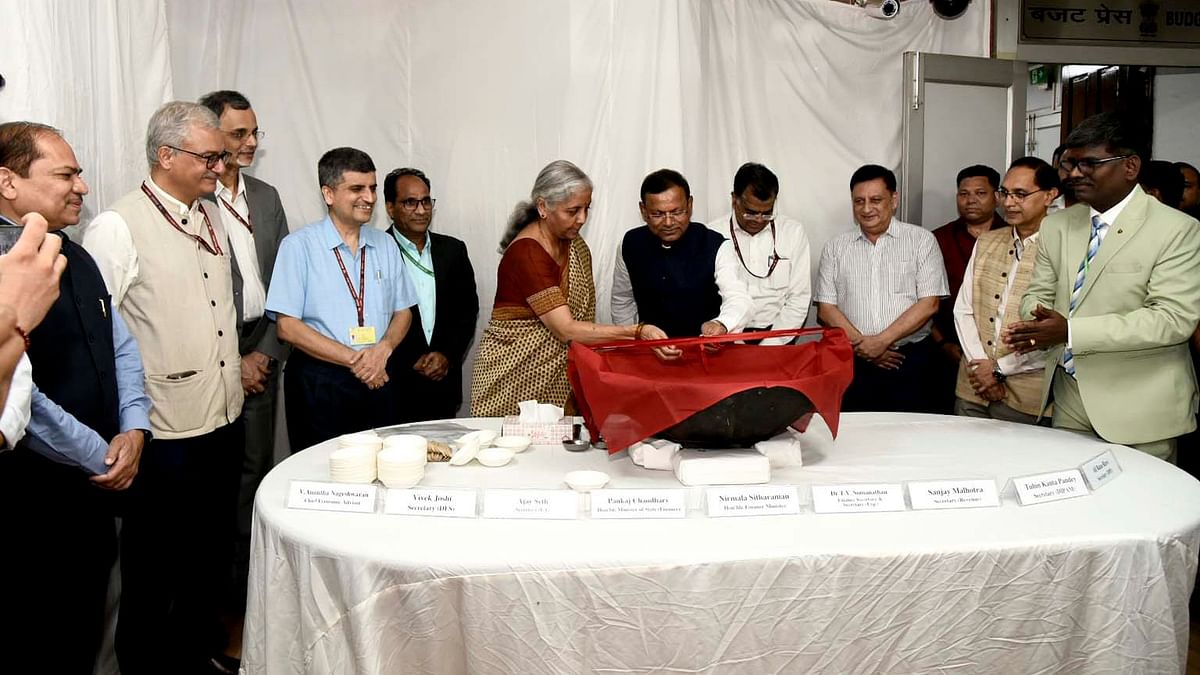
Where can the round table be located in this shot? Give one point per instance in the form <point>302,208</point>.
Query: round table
<point>1094,584</point>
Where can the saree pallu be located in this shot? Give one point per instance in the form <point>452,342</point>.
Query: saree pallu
<point>519,358</point>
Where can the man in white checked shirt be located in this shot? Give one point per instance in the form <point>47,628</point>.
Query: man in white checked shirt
<point>768,251</point>
<point>1114,298</point>
<point>881,283</point>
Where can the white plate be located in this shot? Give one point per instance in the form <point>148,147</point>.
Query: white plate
<point>514,443</point>
<point>586,481</point>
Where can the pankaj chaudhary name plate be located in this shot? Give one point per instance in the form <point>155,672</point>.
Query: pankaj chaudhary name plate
<point>669,503</point>
<point>752,500</point>
<point>858,498</point>
<point>318,496</point>
<point>953,494</point>
<point>531,504</point>
<point>445,503</point>
<point>1050,487</point>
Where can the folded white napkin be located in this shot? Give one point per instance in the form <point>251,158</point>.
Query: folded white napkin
<point>721,467</point>
<point>533,412</point>
<point>782,450</point>
<point>654,453</point>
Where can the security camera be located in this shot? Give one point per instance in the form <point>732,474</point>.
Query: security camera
<point>880,9</point>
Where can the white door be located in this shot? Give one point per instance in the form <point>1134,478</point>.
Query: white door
<point>958,111</point>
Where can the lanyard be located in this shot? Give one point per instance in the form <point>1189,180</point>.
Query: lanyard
<point>773,260</point>
<point>409,256</point>
<point>214,249</point>
<point>362,282</point>
<point>229,207</point>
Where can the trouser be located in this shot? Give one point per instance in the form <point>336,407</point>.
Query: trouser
<point>906,389</point>
<point>258,419</point>
<point>996,410</point>
<point>1069,413</point>
<point>59,545</point>
<point>324,401</point>
<point>420,399</point>
<point>176,552</point>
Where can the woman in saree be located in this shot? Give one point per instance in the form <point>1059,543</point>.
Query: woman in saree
<point>545,298</point>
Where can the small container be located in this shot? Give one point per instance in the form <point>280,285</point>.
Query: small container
<point>494,456</point>
<point>586,481</point>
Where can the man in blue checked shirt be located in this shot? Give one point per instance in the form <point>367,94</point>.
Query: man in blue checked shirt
<point>88,425</point>
<point>340,296</point>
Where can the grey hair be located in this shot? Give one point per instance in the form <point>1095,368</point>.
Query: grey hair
<point>170,125</point>
<point>555,183</point>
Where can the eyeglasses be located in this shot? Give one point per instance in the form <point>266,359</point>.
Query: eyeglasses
<point>757,217</point>
<point>243,134</point>
<point>211,159</point>
<point>1019,195</point>
<point>412,204</point>
<point>1087,164</point>
<point>660,216</point>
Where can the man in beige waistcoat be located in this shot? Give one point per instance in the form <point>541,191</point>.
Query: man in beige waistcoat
<point>993,381</point>
<point>165,260</point>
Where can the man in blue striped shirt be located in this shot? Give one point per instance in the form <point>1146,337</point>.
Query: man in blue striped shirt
<point>882,283</point>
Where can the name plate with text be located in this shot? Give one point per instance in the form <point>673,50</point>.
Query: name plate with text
<point>426,502</point>
<point>1050,487</point>
<point>953,494</point>
<point>752,500</point>
<point>639,504</point>
<point>1101,469</point>
<point>531,504</point>
<point>318,496</point>
<point>858,498</point>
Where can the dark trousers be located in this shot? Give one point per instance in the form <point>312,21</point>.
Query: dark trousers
<point>59,545</point>
<point>420,399</point>
<point>911,388</point>
<point>258,419</point>
<point>176,552</point>
<point>324,401</point>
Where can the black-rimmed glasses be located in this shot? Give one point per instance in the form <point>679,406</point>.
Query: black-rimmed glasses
<point>210,159</point>
<point>412,204</point>
<point>1087,164</point>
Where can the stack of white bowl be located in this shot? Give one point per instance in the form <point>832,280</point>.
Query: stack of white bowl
<point>402,460</point>
<point>354,459</point>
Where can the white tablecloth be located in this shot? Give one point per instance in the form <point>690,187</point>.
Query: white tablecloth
<point>1093,584</point>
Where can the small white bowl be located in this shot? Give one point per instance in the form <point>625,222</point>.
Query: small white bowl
<point>464,453</point>
<point>514,443</point>
<point>586,481</point>
<point>484,437</point>
<point>494,456</point>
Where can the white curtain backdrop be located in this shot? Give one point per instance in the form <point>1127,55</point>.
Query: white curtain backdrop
<point>482,94</point>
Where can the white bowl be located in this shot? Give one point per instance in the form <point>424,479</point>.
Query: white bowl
<point>494,456</point>
<point>484,437</point>
<point>586,481</point>
<point>514,443</point>
<point>464,453</point>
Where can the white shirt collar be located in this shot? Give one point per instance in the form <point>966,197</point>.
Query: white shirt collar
<point>169,201</point>
<point>229,195</point>
<point>1110,216</point>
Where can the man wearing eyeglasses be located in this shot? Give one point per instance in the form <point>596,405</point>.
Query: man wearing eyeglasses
<point>255,223</point>
<point>769,252</point>
<point>666,272</point>
<point>992,380</point>
<point>1114,298</point>
<point>427,365</point>
<point>165,259</point>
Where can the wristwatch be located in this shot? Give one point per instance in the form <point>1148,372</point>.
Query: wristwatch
<point>146,437</point>
<point>999,374</point>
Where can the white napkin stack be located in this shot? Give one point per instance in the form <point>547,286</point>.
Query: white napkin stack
<point>653,453</point>
<point>721,467</point>
<point>402,460</point>
<point>782,450</point>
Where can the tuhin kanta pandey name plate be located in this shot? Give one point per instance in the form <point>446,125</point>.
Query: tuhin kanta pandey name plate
<point>1130,23</point>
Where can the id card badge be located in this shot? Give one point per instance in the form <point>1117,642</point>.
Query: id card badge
<point>362,335</point>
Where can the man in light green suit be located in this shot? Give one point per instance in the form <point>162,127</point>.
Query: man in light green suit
<point>1115,295</point>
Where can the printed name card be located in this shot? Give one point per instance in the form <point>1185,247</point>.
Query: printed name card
<point>445,503</point>
<point>639,503</point>
<point>857,498</point>
<point>1101,469</point>
<point>953,494</point>
<point>1050,487</point>
<point>317,496</point>
<point>752,500</point>
<point>534,504</point>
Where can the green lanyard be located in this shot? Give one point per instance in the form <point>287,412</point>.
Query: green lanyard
<point>411,259</point>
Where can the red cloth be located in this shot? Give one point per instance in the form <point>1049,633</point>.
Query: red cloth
<point>626,393</point>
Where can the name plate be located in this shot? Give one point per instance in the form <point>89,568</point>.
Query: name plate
<point>533,504</point>
<point>444,503</point>
<point>953,494</point>
<point>1101,469</point>
<point>858,498</point>
<point>317,496</point>
<point>1050,487</point>
<point>752,500</point>
<point>638,504</point>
